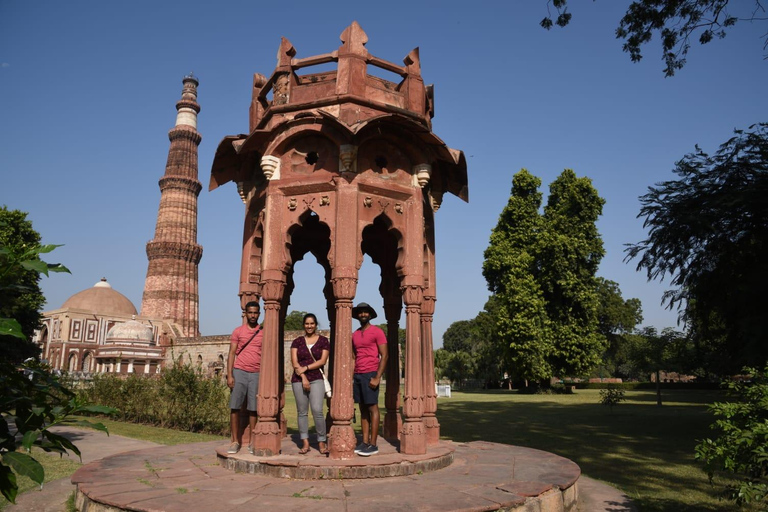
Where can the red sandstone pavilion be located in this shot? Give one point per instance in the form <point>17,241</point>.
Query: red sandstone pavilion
<point>341,164</point>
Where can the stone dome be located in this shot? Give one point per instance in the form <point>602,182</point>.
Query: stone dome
<point>132,331</point>
<point>101,299</point>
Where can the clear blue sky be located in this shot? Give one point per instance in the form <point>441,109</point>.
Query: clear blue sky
<point>88,92</point>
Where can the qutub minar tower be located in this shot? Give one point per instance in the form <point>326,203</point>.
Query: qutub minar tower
<point>171,289</point>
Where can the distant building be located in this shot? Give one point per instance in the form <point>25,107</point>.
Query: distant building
<point>98,330</point>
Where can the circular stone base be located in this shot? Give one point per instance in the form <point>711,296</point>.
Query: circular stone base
<point>483,477</point>
<point>314,466</point>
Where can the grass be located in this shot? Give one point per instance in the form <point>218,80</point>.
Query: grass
<point>644,450</point>
<point>158,435</point>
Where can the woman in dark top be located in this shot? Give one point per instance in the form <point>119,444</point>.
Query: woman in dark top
<point>307,381</point>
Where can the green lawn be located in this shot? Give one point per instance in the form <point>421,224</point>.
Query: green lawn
<point>645,450</point>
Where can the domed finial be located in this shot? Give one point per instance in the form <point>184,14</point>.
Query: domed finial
<point>191,78</point>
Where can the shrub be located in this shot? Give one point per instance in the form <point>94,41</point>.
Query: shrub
<point>741,447</point>
<point>181,397</point>
<point>611,397</point>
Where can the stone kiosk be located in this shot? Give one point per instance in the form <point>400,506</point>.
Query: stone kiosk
<point>340,164</point>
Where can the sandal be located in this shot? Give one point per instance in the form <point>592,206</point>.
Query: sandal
<point>304,450</point>
<point>323,448</point>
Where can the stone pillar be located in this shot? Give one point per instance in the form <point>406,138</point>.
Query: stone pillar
<point>431,425</point>
<point>341,434</point>
<point>268,436</point>
<point>393,422</point>
<point>413,439</point>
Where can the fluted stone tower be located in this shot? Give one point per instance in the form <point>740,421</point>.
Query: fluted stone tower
<point>171,290</point>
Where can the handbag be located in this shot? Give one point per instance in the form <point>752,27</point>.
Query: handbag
<point>326,382</point>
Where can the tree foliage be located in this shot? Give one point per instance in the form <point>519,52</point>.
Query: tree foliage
<point>571,254</point>
<point>616,318</point>
<point>741,446</point>
<point>541,269</point>
<point>474,339</point>
<point>458,336</point>
<point>708,232</point>
<point>676,22</point>
<point>20,294</point>
<point>294,321</point>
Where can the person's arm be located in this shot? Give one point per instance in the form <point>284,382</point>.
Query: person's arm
<point>295,359</point>
<point>375,381</point>
<point>231,363</point>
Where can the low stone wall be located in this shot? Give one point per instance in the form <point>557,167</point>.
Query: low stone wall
<point>210,352</point>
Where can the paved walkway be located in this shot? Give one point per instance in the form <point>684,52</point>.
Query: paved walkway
<point>594,496</point>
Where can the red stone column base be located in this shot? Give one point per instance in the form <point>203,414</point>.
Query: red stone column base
<point>267,438</point>
<point>393,423</point>
<point>341,442</point>
<point>413,438</point>
<point>433,430</point>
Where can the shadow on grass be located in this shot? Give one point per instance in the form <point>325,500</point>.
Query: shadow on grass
<point>645,450</point>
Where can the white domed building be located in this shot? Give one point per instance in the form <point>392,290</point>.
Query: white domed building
<point>97,330</point>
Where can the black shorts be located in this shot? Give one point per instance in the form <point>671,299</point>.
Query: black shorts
<point>362,392</point>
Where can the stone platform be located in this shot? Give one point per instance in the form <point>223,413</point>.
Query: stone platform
<point>290,463</point>
<point>184,478</point>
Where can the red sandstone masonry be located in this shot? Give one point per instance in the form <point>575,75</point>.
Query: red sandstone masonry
<point>171,286</point>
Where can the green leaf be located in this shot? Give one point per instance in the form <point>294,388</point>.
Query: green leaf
<point>10,327</point>
<point>29,439</point>
<point>61,441</point>
<point>8,485</point>
<point>36,265</point>
<point>43,249</point>
<point>57,267</point>
<point>25,465</point>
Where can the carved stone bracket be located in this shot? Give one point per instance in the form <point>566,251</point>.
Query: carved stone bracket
<point>270,165</point>
<point>348,158</point>
<point>435,199</point>
<point>422,173</point>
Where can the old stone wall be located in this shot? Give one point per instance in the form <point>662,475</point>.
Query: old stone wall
<point>210,352</point>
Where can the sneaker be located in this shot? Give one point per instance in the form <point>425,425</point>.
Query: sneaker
<point>369,450</point>
<point>234,448</point>
<point>251,450</point>
<point>360,448</point>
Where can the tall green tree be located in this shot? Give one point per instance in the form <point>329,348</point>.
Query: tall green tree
<point>676,22</point>
<point>708,232</point>
<point>512,268</point>
<point>570,254</point>
<point>541,269</point>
